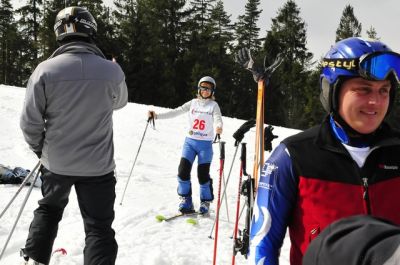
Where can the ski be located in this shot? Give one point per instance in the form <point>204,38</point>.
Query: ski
<point>248,188</point>
<point>259,143</point>
<point>163,218</point>
<point>262,76</point>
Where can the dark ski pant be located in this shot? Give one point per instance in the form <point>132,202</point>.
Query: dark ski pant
<point>96,196</point>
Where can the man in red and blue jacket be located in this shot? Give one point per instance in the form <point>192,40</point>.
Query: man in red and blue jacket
<point>348,165</point>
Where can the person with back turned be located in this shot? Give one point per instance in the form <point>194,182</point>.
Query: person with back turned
<point>67,122</point>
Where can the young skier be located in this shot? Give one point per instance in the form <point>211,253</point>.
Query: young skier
<point>203,113</point>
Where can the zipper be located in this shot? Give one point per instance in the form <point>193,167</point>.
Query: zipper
<point>366,195</point>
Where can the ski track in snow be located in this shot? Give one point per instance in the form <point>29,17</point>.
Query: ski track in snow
<point>151,191</point>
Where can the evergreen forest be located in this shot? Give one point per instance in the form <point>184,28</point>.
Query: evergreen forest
<point>166,46</point>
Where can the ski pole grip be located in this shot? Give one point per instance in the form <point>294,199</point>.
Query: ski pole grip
<point>151,121</point>
<point>217,138</point>
<point>243,157</point>
<point>222,150</point>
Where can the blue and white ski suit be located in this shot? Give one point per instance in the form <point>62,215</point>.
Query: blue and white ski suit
<point>203,115</point>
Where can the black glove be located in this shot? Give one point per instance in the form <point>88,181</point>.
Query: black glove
<point>38,154</point>
<point>268,138</point>
<point>239,134</point>
<point>243,57</point>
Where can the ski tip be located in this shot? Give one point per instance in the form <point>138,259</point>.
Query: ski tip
<point>160,218</point>
<point>60,251</point>
<point>191,221</point>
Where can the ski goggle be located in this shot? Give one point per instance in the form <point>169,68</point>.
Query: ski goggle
<point>379,65</point>
<point>375,66</point>
<point>203,88</point>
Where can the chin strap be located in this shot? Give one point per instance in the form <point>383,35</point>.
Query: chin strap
<point>338,131</point>
<point>341,134</point>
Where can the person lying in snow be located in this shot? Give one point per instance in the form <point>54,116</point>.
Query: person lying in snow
<point>15,176</point>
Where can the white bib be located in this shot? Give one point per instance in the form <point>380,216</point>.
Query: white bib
<point>201,121</point>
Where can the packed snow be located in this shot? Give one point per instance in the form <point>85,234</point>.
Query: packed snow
<point>151,191</point>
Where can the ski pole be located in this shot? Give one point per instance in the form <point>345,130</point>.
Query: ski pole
<point>224,192</point>
<point>19,214</point>
<point>221,171</point>
<point>242,170</point>
<point>27,178</point>
<point>226,200</point>
<point>240,216</point>
<point>217,139</point>
<point>137,153</point>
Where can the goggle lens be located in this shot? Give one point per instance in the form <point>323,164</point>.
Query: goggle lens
<point>379,65</point>
<point>203,88</point>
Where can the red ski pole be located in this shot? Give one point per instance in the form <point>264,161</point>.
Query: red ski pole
<point>221,171</point>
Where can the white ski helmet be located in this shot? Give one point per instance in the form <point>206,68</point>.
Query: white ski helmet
<point>207,79</point>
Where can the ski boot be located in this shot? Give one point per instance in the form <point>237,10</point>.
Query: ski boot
<point>206,197</point>
<point>186,205</point>
<point>27,260</point>
<point>204,208</point>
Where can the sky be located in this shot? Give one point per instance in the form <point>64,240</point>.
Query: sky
<point>151,191</point>
<point>322,18</point>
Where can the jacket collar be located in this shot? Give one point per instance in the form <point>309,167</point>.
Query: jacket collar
<point>77,47</point>
<point>385,136</point>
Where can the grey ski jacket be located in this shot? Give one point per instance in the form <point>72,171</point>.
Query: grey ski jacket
<point>67,113</point>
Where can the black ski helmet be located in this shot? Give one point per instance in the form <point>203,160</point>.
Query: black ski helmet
<point>74,22</point>
<point>342,62</point>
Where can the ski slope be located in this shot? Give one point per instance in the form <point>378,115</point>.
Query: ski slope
<point>151,191</point>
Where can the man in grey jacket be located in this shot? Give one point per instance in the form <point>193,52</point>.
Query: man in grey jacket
<point>67,122</point>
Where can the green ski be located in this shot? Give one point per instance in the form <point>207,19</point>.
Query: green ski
<point>161,218</point>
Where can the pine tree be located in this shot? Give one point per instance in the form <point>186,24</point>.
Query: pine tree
<point>128,33</point>
<point>201,12</point>
<point>9,40</point>
<point>47,36</point>
<point>349,25</point>
<point>29,25</point>
<point>247,32</point>
<point>244,92</point>
<point>105,37</point>
<point>285,98</point>
<point>313,112</point>
<point>153,33</point>
<point>372,34</point>
<point>168,25</point>
<point>221,30</point>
